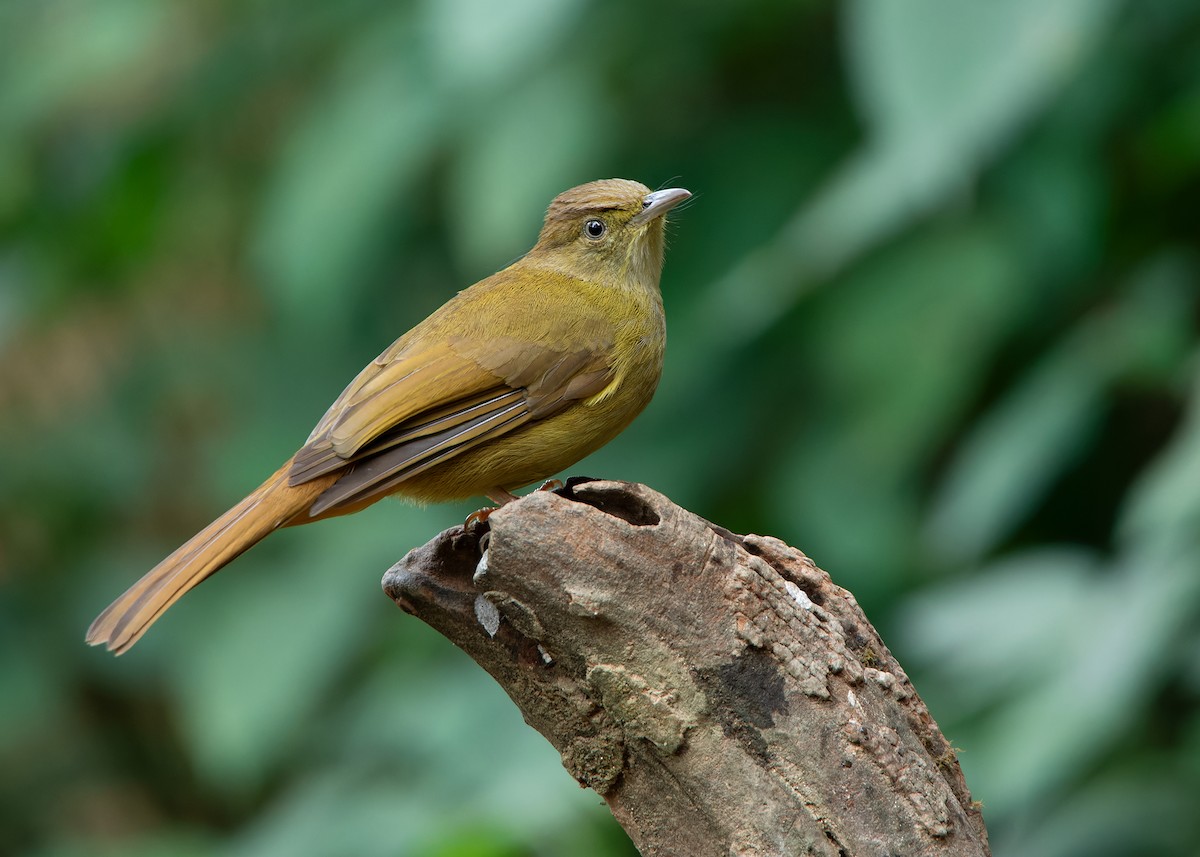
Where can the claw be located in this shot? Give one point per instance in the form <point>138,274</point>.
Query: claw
<point>502,497</point>
<point>479,516</point>
<point>499,496</point>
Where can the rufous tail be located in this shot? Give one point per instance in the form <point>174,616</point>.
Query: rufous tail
<point>272,505</point>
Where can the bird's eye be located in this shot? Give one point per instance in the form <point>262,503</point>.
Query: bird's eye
<point>594,229</point>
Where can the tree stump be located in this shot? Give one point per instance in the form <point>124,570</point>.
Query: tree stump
<point>720,692</point>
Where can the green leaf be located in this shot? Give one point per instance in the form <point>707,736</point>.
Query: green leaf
<point>899,351</point>
<point>477,45</point>
<point>253,660</point>
<point>944,86</point>
<point>420,753</point>
<point>954,78</point>
<point>1163,509</point>
<point>498,191</point>
<point>63,51</point>
<point>1080,653</point>
<point>1016,451</point>
<point>360,145</point>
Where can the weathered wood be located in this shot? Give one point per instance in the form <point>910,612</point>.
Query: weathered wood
<point>720,692</point>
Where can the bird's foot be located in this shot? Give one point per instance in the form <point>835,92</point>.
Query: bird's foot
<point>499,496</point>
<point>502,497</point>
<point>479,516</point>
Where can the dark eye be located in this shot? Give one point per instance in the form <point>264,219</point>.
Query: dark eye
<point>594,229</point>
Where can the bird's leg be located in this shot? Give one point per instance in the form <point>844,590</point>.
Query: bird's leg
<point>501,496</point>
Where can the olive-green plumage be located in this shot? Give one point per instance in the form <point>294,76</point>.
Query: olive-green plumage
<point>511,381</point>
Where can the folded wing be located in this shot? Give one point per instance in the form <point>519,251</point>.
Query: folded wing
<point>412,409</point>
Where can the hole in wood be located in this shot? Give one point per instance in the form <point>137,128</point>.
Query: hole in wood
<point>610,499</point>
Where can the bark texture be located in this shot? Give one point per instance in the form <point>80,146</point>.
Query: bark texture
<point>720,692</point>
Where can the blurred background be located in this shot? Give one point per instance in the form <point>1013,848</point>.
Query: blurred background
<point>933,320</point>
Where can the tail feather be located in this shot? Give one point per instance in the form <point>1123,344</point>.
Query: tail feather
<point>270,506</point>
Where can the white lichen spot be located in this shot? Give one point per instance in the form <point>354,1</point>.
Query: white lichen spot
<point>481,568</point>
<point>487,614</point>
<point>881,678</point>
<point>798,595</point>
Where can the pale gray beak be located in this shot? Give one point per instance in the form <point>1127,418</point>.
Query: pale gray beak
<point>659,203</point>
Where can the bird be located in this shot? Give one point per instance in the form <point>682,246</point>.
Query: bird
<point>512,380</point>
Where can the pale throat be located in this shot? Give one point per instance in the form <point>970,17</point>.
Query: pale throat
<point>637,269</point>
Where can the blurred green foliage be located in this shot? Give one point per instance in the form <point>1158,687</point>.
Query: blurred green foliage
<point>933,319</point>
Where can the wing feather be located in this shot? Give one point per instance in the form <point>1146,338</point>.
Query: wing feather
<point>380,471</point>
<point>433,421</point>
<point>385,396</point>
<point>449,385</point>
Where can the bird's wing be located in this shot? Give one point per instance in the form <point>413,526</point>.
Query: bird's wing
<point>418,405</point>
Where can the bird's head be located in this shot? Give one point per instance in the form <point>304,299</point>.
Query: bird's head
<point>608,231</point>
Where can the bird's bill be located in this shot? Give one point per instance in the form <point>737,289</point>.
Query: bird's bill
<point>659,203</point>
